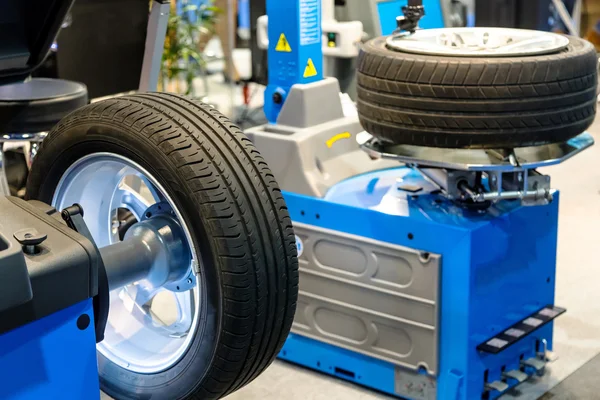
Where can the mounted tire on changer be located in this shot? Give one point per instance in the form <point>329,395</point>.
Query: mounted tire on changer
<point>477,88</point>
<point>222,320</point>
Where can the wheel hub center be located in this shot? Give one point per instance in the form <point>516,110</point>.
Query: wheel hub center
<point>153,250</point>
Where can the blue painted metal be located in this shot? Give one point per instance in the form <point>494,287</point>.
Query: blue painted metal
<point>300,22</point>
<point>498,267</point>
<point>341,363</point>
<point>51,358</point>
<point>244,14</point>
<point>389,10</point>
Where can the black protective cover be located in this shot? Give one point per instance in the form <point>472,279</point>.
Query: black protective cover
<point>15,287</point>
<point>62,274</point>
<point>27,30</point>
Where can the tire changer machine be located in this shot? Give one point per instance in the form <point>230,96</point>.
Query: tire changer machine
<point>403,288</point>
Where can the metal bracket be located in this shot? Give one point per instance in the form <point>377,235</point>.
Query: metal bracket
<point>505,160</point>
<point>511,173</point>
<point>529,186</point>
<point>546,355</point>
<point>73,217</point>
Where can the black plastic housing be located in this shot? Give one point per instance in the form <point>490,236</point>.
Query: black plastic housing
<point>62,273</point>
<point>27,30</point>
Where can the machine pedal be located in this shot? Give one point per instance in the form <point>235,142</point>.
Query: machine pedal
<point>515,374</point>
<point>535,363</point>
<point>497,386</point>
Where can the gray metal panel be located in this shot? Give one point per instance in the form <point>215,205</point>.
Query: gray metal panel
<point>155,42</point>
<point>368,296</point>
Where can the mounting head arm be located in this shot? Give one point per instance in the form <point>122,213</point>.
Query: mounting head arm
<point>413,13</point>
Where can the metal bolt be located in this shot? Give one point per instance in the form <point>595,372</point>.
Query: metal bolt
<point>189,280</point>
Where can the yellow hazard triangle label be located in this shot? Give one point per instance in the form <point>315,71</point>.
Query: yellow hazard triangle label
<point>310,69</point>
<point>283,45</point>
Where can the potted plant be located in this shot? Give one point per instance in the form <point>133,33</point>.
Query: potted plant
<point>189,27</point>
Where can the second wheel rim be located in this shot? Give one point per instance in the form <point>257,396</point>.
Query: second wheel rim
<point>478,42</point>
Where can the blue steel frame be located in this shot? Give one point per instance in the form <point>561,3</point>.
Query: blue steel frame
<point>498,267</point>
<point>51,358</point>
<point>300,22</point>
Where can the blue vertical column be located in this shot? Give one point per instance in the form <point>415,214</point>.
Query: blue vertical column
<point>295,52</point>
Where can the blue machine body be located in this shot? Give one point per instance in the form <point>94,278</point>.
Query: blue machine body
<point>497,268</point>
<point>390,9</point>
<point>51,358</point>
<point>295,53</point>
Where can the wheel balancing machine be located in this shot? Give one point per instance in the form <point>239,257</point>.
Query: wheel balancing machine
<point>154,256</point>
<point>427,244</point>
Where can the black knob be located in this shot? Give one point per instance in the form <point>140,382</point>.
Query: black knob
<point>30,239</point>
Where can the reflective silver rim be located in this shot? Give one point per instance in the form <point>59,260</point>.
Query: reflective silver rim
<point>149,328</point>
<point>478,42</point>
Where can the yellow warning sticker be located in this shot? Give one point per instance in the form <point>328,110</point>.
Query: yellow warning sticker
<point>283,45</point>
<point>345,135</point>
<point>310,69</point>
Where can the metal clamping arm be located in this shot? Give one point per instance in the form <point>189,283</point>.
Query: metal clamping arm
<point>413,12</point>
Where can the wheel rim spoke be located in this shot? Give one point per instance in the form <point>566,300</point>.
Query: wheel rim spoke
<point>134,201</point>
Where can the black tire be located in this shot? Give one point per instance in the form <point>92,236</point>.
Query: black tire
<point>229,199</point>
<point>459,102</point>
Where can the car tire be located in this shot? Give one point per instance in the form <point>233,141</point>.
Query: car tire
<point>239,221</point>
<point>466,102</point>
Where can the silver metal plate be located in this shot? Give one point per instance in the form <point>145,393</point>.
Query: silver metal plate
<point>478,42</point>
<point>510,160</point>
<point>369,297</point>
